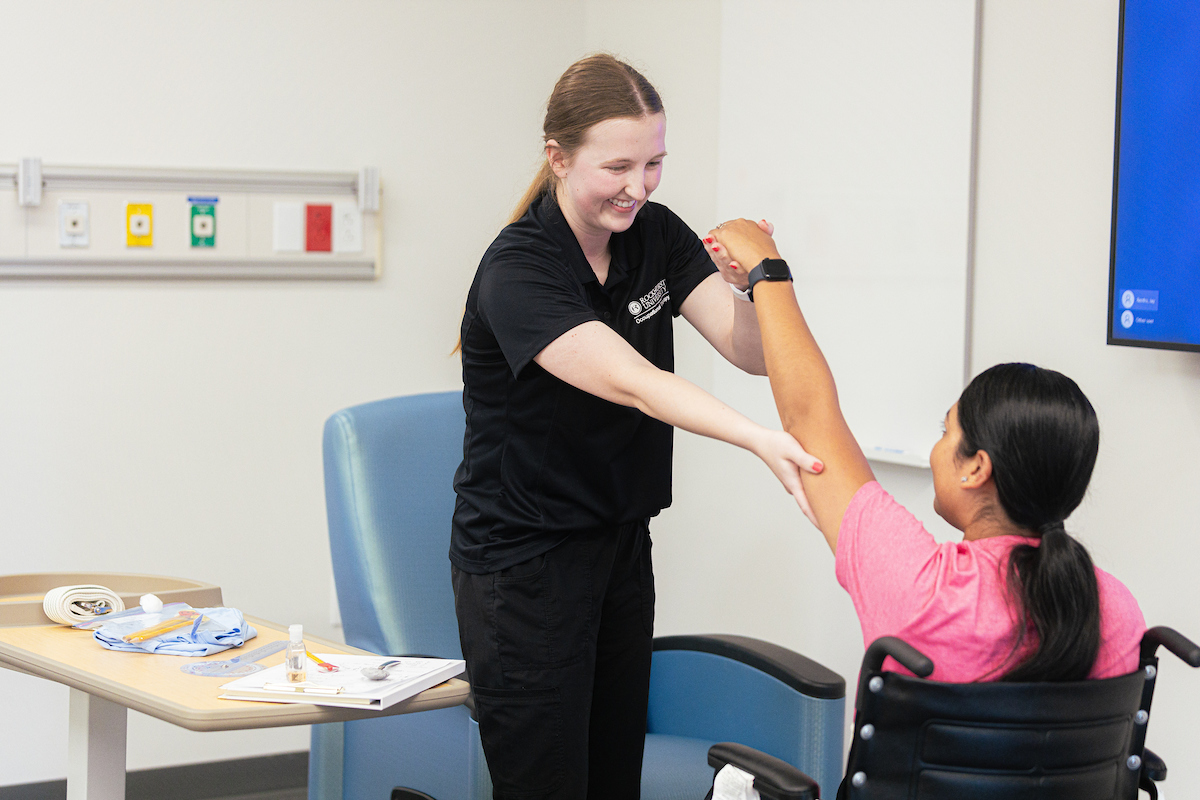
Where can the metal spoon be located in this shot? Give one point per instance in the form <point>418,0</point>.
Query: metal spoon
<point>379,673</point>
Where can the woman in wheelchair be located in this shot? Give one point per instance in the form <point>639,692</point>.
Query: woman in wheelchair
<point>1018,599</point>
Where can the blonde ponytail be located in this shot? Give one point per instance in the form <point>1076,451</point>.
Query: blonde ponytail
<point>543,183</point>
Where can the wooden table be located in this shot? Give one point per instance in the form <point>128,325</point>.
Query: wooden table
<point>104,683</point>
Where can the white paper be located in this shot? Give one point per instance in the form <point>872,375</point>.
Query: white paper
<point>342,688</point>
<point>289,227</point>
<point>732,783</point>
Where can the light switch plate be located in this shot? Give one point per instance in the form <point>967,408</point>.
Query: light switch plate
<point>139,225</point>
<point>203,224</point>
<point>73,224</point>
<point>347,227</point>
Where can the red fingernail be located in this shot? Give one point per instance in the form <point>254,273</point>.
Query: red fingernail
<point>708,240</point>
<point>733,266</point>
<point>818,467</point>
<point>716,249</point>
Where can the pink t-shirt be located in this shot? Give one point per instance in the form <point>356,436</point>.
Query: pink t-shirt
<point>950,600</point>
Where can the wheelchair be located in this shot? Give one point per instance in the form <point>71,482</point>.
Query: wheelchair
<point>925,740</point>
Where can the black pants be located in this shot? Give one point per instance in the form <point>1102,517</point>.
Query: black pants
<point>558,656</point>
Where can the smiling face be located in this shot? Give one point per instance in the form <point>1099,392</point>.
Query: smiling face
<point>602,185</point>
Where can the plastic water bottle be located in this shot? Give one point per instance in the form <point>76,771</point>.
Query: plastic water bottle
<point>294,656</point>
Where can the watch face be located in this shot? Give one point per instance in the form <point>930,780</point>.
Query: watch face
<point>775,269</point>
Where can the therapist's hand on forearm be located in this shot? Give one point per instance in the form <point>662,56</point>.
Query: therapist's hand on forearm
<point>784,455</point>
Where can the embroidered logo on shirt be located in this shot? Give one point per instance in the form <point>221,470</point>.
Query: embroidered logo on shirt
<point>651,303</point>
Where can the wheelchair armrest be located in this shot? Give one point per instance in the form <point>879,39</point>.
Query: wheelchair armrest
<point>799,672</point>
<point>909,657</point>
<point>1174,641</point>
<point>774,779</point>
<point>1153,767</point>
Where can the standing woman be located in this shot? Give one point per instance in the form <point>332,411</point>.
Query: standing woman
<point>570,401</point>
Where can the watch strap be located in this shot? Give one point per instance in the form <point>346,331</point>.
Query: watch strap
<point>769,269</point>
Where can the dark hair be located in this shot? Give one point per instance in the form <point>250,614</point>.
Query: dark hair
<point>592,90</point>
<point>1042,436</point>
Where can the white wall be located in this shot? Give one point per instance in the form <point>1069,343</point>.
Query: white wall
<point>175,427</point>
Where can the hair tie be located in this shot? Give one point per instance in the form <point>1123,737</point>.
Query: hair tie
<point>1052,527</point>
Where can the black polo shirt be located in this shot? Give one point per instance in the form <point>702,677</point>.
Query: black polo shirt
<point>541,458</point>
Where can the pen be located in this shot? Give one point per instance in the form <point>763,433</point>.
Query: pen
<point>325,665</point>
<point>178,621</point>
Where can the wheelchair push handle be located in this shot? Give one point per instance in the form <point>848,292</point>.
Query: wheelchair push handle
<point>1173,640</point>
<point>908,656</point>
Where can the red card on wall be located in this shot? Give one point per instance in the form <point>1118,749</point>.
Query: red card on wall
<point>318,228</point>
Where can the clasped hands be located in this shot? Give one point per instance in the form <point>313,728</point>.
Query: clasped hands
<point>740,242</point>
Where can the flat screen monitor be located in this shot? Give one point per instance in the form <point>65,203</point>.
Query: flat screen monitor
<point>1154,270</point>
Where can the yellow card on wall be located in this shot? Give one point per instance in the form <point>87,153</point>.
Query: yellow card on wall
<point>139,224</point>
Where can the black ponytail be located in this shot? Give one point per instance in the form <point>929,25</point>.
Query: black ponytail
<point>1042,436</point>
<point>1056,584</point>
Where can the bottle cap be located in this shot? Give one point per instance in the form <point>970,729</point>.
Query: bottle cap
<point>296,633</point>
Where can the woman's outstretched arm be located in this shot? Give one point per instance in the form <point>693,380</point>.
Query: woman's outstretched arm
<point>595,359</point>
<point>803,386</point>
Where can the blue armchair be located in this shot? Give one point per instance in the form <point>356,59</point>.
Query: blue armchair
<point>389,468</point>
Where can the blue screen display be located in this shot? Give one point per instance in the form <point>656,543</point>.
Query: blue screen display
<point>1154,279</point>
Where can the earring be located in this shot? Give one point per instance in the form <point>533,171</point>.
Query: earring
<point>962,480</point>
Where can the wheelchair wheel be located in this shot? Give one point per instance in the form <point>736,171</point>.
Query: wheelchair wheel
<point>401,793</point>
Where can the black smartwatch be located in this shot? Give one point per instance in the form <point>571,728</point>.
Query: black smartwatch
<point>769,269</point>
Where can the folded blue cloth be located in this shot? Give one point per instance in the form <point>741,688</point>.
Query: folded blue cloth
<point>216,630</point>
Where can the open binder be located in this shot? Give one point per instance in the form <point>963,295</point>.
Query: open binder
<point>348,687</point>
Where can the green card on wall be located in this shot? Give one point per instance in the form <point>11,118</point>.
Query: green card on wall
<point>204,224</point>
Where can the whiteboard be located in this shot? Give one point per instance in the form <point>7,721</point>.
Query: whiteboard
<point>848,124</point>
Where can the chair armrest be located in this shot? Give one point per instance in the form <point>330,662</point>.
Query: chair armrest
<point>723,688</point>
<point>1153,767</point>
<point>774,779</point>
<point>799,672</point>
